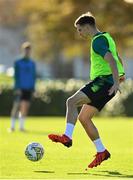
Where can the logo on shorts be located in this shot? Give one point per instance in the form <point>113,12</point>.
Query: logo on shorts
<point>95,88</point>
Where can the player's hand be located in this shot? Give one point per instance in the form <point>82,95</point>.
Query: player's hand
<point>122,78</point>
<point>114,89</point>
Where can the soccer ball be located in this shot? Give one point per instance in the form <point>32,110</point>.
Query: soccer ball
<point>34,151</point>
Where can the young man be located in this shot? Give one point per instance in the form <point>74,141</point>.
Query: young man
<point>106,73</point>
<point>24,76</point>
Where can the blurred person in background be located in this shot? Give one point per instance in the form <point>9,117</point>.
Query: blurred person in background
<point>24,85</point>
<point>106,73</point>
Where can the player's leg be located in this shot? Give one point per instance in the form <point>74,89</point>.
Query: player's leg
<point>14,114</point>
<point>99,93</point>
<point>15,109</point>
<point>78,99</point>
<point>85,116</point>
<point>24,108</point>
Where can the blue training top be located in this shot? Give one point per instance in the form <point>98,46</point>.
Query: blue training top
<point>25,74</point>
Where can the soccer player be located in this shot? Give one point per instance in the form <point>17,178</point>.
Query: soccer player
<point>106,73</point>
<point>24,77</point>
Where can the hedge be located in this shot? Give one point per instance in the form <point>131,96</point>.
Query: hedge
<point>49,98</point>
<point>51,95</point>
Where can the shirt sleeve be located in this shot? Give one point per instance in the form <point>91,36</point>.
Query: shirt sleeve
<point>100,46</point>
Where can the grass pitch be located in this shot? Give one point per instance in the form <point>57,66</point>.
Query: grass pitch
<point>60,162</point>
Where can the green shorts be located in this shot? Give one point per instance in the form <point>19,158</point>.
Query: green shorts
<point>98,91</point>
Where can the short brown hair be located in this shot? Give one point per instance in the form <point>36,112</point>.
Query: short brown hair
<point>86,18</point>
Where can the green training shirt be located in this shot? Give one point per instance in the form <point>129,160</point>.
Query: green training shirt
<point>102,43</point>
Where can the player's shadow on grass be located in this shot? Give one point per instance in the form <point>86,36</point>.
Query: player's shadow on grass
<point>49,172</point>
<point>108,174</point>
<point>117,174</point>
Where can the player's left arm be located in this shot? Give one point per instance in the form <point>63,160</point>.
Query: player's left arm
<point>110,59</point>
<point>120,60</point>
<point>122,77</point>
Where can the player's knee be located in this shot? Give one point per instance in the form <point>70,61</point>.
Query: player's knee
<point>83,118</point>
<point>70,101</point>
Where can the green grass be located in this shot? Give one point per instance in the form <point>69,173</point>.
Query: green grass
<point>60,162</point>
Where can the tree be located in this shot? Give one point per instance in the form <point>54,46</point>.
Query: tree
<point>49,23</point>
